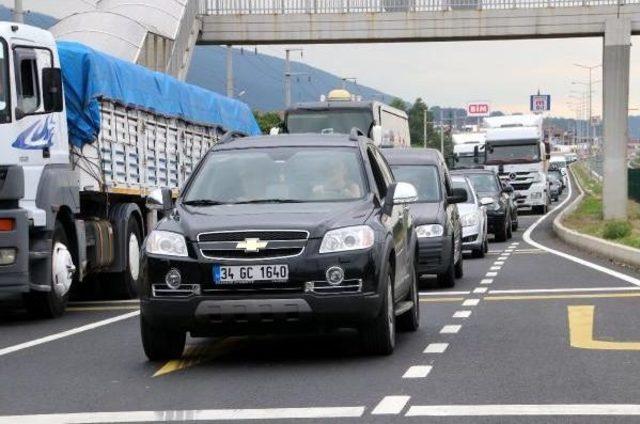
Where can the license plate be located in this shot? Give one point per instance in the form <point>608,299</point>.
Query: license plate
<point>243,274</point>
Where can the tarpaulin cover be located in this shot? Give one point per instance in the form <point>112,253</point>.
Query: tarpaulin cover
<point>89,75</point>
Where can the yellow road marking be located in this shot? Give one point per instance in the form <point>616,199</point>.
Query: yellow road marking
<point>102,308</point>
<point>197,354</point>
<point>564,296</point>
<point>581,331</point>
<point>441,299</point>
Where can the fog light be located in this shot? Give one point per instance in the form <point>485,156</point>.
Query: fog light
<point>7,256</point>
<point>335,275</point>
<point>173,278</point>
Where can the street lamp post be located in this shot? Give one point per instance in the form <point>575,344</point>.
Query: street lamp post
<point>591,127</point>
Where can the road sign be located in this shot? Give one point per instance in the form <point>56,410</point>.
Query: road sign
<point>478,109</point>
<point>540,103</point>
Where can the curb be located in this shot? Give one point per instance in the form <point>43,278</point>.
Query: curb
<point>616,252</point>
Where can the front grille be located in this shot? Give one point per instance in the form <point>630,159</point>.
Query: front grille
<point>521,186</point>
<point>234,253</point>
<point>469,239</point>
<point>262,235</point>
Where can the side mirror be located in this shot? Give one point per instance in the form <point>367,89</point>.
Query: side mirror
<point>404,193</point>
<point>376,135</point>
<point>274,131</point>
<point>52,90</point>
<point>160,200</point>
<point>459,195</point>
<point>486,201</point>
<point>507,188</point>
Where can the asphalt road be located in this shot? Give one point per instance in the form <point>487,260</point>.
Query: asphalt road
<point>526,336</point>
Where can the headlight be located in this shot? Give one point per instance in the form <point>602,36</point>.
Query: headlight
<point>348,238</point>
<point>431,230</point>
<point>166,243</point>
<point>493,206</point>
<point>469,220</point>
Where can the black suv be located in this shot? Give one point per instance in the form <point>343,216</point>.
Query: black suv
<point>497,197</point>
<point>282,233</point>
<point>435,214</point>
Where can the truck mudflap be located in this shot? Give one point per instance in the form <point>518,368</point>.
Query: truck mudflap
<point>14,277</point>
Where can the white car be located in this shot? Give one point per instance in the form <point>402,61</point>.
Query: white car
<point>473,217</point>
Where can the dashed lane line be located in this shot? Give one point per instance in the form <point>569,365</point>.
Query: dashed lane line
<point>480,290</point>
<point>436,348</point>
<point>471,302</point>
<point>418,371</point>
<point>461,314</point>
<point>491,274</point>
<point>486,281</point>
<point>391,405</point>
<point>67,333</point>
<point>450,329</point>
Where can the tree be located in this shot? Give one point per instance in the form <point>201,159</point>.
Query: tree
<point>399,104</point>
<point>416,128</point>
<point>267,120</point>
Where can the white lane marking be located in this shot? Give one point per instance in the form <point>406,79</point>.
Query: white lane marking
<point>486,281</point>
<point>471,302</point>
<point>391,405</point>
<point>491,274</point>
<point>515,243</point>
<point>567,290</point>
<point>496,268</point>
<point>186,415</point>
<point>527,237</point>
<point>417,371</point>
<point>461,314</point>
<point>480,290</point>
<point>442,293</point>
<point>523,410</point>
<point>450,329</point>
<point>506,254</point>
<point>500,262</point>
<point>436,347</point>
<point>67,333</point>
<point>495,251</point>
<point>105,302</point>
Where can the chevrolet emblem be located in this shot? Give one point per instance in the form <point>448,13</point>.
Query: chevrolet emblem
<point>251,245</point>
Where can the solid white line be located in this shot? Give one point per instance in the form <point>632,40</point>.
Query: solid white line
<point>57,336</point>
<point>391,405</point>
<point>461,314</point>
<point>491,274</point>
<point>436,348</point>
<point>480,290</point>
<point>442,293</point>
<point>527,237</point>
<point>105,302</point>
<point>417,371</point>
<point>471,302</point>
<point>486,281</point>
<point>186,415</point>
<point>567,290</point>
<point>450,329</point>
<point>532,410</point>
<point>495,251</point>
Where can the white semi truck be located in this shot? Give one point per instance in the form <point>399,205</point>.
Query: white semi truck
<point>468,148</point>
<point>516,149</point>
<point>339,112</point>
<point>86,137</point>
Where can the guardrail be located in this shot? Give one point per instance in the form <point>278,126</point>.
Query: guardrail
<point>248,7</point>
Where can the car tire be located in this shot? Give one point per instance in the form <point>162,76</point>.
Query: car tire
<point>486,246</point>
<point>379,337</point>
<point>410,320</point>
<point>479,252</point>
<point>514,221</point>
<point>459,267</point>
<point>540,209</point>
<point>447,279</point>
<point>161,344</point>
<point>509,229</point>
<point>125,284</point>
<point>49,304</point>
<point>502,234</point>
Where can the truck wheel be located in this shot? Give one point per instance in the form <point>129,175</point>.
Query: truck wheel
<point>161,344</point>
<point>501,235</point>
<point>52,304</point>
<point>448,279</point>
<point>379,337</point>
<point>126,282</point>
<point>410,320</point>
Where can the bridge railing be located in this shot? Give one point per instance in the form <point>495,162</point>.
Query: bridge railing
<point>244,7</point>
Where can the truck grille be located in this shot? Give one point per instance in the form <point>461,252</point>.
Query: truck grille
<point>247,245</point>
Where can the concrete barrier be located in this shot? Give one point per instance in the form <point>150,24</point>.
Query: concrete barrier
<point>607,249</point>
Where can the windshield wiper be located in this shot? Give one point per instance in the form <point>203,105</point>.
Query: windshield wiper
<point>246,202</point>
<point>202,202</point>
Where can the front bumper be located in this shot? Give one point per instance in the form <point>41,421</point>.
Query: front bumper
<point>535,196</point>
<point>434,255</point>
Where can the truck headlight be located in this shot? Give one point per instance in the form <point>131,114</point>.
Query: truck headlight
<point>166,243</point>
<point>469,220</point>
<point>348,238</point>
<point>430,230</point>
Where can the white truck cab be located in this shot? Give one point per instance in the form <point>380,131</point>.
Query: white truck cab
<point>468,149</point>
<point>516,150</point>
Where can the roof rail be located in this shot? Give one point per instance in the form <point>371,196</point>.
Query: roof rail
<point>231,135</point>
<point>355,134</point>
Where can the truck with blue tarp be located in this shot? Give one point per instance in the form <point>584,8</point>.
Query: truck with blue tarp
<point>86,138</point>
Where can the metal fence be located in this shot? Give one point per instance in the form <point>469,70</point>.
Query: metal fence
<point>245,7</point>
<point>595,166</point>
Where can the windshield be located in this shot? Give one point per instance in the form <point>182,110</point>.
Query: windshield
<point>557,165</point>
<point>467,161</point>
<point>460,183</point>
<point>329,121</point>
<point>520,153</point>
<point>4,83</point>
<point>484,183</point>
<point>555,175</point>
<point>278,175</point>
<point>424,179</point>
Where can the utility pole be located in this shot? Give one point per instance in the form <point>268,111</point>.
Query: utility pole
<point>591,127</point>
<point>287,75</point>
<point>424,126</point>
<point>229,71</point>
<point>18,12</point>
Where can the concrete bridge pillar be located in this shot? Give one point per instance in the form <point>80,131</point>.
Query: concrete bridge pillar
<point>615,82</point>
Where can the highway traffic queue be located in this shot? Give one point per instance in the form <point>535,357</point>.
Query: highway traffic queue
<point>335,223</point>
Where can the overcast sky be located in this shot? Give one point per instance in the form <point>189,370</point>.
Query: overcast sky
<point>503,73</point>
